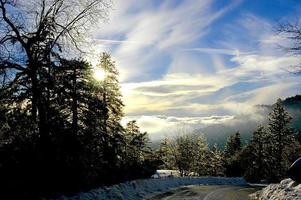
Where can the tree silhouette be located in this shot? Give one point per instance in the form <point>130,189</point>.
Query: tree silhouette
<point>254,156</point>
<point>40,36</point>
<point>282,142</point>
<point>232,155</point>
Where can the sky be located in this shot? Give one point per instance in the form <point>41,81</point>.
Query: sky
<point>198,62</point>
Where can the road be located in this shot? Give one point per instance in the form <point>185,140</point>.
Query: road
<point>205,192</point>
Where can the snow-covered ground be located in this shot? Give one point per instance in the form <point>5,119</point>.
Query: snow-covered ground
<point>285,190</point>
<point>163,173</point>
<point>141,189</point>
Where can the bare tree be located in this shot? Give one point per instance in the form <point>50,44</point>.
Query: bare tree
<point>292,32</point>
<point>33,35</point>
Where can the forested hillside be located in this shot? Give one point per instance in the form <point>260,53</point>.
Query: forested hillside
<point>218,133</point>
<point>267,156</point>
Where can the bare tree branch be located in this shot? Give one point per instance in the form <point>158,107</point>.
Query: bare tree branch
<point>10,23</point>
<point>292,32</point>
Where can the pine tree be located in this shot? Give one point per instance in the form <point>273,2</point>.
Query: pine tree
<point>202,157</point>
<point>254,157</point>
<point>139,160</point>
<point>111,95</point>
<point>216,162</point>
<point>136,143</point>
<point>233,145</point>
<point>282,144</point>
<point>109,119</point>
<point>232,155</point>
<point>60,130</point>
<point>164,154</point>
<point>72,92</point>
<point>183,153</point>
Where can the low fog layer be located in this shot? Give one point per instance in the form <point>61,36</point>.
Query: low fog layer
<point>215,129</point>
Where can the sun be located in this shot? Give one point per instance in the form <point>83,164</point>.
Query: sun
<point>99,74</point>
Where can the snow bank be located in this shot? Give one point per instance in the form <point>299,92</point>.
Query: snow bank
<point>285,190</point>
<point>141,189</point>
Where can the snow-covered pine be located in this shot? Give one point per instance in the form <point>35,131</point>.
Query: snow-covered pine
<point>281,142</point>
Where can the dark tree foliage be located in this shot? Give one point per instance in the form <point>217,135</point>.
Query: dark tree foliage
<point>282,145</point>
<point>232,155</point>
<point>265,158</point>
<point>139,160</point>
<point>164,153</point>
<point>253,156</point>
<point>60,129</point>
<point>86,146</point>
<point>233,145</point>
<point>272,149</point>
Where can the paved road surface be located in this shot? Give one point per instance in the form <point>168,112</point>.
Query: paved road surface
<point>213,192</point>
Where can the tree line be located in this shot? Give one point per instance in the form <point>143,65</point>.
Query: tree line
<point>266,157</point>
<point>60,129</point>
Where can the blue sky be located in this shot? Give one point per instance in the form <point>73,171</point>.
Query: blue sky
<point>198,62</point>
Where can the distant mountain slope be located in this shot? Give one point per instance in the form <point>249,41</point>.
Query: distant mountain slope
<point>246,124</point>
<point>293,106</point>
<point>293,101</point>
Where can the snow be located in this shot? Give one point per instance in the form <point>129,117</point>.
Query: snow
<point>285,190</point>
<point>141,189</point>
<point>163,173</point>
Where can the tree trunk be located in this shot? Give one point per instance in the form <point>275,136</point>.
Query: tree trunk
<point>34,91</point>
<point>38,103</point>
<point>74,104</point>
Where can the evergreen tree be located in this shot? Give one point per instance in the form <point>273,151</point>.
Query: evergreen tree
<point>272,150</point>
<point>30,48</point>
<point>136,143</point>
<point>233,145</point>
<point>85,147</point>
<point>216,162</point>
<point>138,160</point>
<point>282,145</point>
<point>202,157</point>
<point>164,154</point>
<point>232,155</point>
<point>71,92</point>
<point>111,95</point>
<point>184,153</point>
<point>109,125</point>
<point>60,130</point>
<point>254,157</point>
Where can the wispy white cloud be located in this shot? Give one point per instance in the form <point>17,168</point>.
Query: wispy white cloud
<point>139,32</point>
<point>234,52</point>
<point>118,42</point>
<point>170,75</point>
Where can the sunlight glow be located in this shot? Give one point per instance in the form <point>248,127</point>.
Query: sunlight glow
<point>99,74</point>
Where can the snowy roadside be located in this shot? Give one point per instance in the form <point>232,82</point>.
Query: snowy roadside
<point>285,190</point>
<point>142,189</point>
